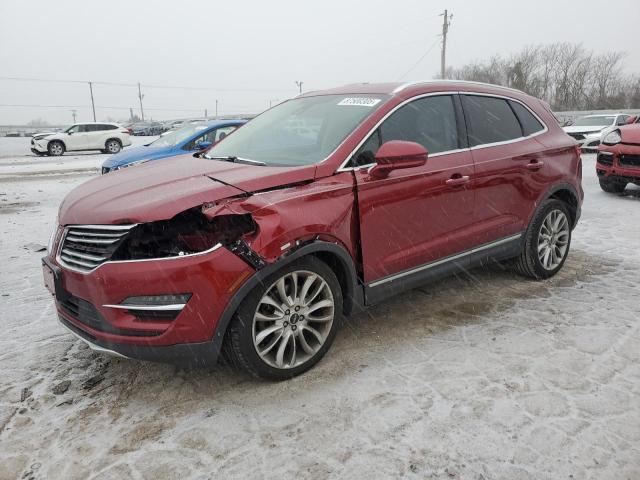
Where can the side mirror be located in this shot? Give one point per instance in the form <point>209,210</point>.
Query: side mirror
<point>203,145</point>
<point>397,154</point>
<point>69,133</point>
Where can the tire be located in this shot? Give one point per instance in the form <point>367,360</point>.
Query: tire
<point>265,321</point>
<point>55,148</point>
<point>612,186</point>
<point>113,146</point>
<point>541,237</point>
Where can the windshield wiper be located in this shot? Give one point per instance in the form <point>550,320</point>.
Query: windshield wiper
<point>233,159</point>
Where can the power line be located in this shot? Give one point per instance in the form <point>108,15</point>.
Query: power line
<point>420,59</point>
<point>168,87</point>
<point>98,106</point>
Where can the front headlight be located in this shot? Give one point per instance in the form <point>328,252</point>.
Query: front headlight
<point>612,138</point>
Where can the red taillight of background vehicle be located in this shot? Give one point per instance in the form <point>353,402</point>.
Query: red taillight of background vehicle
<point>128,131</point>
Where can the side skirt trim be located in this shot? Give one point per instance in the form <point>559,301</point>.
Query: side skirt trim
<point>499,250</point>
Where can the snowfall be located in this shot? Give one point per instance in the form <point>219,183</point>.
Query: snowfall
<point>482,376</point>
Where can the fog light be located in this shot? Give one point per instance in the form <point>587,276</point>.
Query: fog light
<point>154,302</point>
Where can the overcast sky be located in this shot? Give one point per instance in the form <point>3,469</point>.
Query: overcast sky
<point>251,52</point>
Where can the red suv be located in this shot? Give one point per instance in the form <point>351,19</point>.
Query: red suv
<point>327,203</point>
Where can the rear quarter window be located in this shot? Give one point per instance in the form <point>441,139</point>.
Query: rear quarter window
<point>530,124</point>
<point>490,120</point>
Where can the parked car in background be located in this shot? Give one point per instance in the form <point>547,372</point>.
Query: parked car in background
<point>618,161</point>
<point>106,137</point>
<point>149,129</point>
<point>263,243</point>
<point>588,130</point>
<point>187,139</point>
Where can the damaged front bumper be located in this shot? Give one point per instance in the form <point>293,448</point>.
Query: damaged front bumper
<point>95,305</point>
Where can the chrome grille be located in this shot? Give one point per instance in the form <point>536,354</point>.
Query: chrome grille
<point>85,247</point>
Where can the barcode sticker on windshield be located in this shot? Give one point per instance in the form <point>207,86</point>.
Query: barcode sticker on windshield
<point>359,101</point>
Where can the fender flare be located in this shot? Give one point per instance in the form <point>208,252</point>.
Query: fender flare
<point>353,290</point>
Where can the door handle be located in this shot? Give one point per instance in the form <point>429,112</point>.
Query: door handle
<point>457,180</point>
<point>535,165</point>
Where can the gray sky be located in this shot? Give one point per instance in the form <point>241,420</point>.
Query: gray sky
<point>252,51</point>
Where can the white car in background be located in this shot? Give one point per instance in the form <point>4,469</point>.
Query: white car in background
<point>588,130</point>
<point>106,137</point>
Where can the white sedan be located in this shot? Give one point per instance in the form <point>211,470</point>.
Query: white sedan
<point>106,137</point>
<point>588,130</point>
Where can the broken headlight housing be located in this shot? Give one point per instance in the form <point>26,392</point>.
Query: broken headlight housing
<point>187,233</point>
<point>612,138</point>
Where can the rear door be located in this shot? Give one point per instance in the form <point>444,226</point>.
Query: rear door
<point>416,215</point>
<point>510,170</point>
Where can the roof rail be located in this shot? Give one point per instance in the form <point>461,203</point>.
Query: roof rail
<point>469,82</point>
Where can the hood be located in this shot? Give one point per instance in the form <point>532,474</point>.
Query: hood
<point>38,136</point>
<point>160,190</point>
<point>135,154</point>
<point>578,129</point>
<point>630,133</point>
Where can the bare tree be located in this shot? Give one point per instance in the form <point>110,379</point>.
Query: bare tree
<point>565,75</point>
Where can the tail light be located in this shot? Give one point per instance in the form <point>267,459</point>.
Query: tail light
<point>128,131</point>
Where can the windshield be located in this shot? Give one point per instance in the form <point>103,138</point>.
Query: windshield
<point>175,137</point>
<point>594,121</point>
<point>301,131</point>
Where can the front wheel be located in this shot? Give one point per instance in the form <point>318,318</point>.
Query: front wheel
<point>612,186</point>
<point>55,148</point>
<point>546,242</point>
<point>287,323</point>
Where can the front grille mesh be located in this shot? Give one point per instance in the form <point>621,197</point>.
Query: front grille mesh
<point>85,247</point>
<point>630,160</point>
<point>605,159</point>
<point>577,136</point>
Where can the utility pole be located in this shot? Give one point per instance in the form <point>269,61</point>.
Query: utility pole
<point>216,108</point>
<point>446,21</point>
<point>74,113</point>
<point>205,113</point>
<point>140,96</point>
<point>93,106</point>
<point>299,84</point>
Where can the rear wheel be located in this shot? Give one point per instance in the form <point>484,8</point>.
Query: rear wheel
<point>287,324</point>
<point>113,146</point>
<point>547,241</point>
<point>55,148</point>
<point>612,185</point>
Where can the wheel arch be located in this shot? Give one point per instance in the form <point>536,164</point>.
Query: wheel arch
<point>333,254</point>
<point>64,145</point>
<point>112,138</point>
<point>567,194</point>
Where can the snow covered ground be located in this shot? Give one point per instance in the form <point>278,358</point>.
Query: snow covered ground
<point>486,376</point>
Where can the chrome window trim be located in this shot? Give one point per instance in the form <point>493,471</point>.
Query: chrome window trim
<point>441,261</point>
<point>344,168</point>
<point>114,227</point>
<point>545,128</point>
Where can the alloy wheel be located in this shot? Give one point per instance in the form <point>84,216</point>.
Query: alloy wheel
<point>113,147</point>
<point>56,149</point>
<point>293,319</point>
<point>553,239</point>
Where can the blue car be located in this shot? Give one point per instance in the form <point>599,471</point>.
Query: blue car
<point>192,138</point>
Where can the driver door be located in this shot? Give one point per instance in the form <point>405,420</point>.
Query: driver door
<point>418,215</point>
<point>76,138</point>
